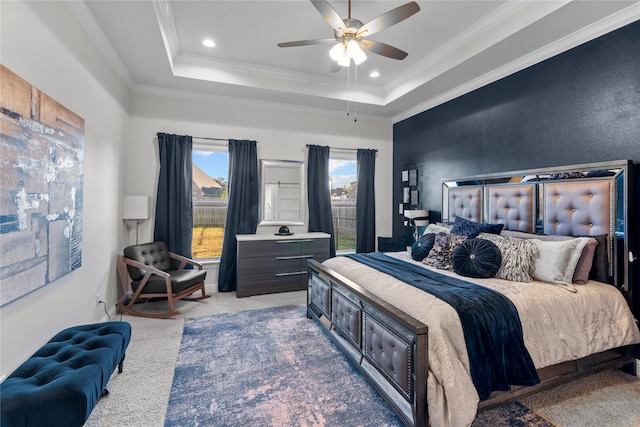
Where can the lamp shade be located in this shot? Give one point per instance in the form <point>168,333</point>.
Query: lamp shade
<point>417,214</point>
<point>135,207</point>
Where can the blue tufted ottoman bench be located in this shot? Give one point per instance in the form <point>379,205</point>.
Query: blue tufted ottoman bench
<point>61,383</point>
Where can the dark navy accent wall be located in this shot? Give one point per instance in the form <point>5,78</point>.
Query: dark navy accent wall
<point>581,106</point>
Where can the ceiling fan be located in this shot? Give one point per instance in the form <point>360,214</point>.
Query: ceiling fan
<point>349,34</point>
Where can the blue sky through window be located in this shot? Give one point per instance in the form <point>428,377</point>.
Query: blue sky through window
<point>213,163</point>
<point>342,172</point>
<point>216,164</point>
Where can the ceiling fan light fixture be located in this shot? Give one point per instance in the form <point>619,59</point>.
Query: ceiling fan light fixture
<point>337,51</point>
<point>344,60</point>
<point>355,52</point>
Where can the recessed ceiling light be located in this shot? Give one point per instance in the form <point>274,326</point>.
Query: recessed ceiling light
<point>209,43</point>
<point>374,74</point>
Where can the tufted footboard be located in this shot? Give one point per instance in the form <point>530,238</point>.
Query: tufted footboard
<point>386,345</point>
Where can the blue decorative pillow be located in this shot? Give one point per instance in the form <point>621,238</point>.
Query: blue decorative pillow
<point>422,246</point>
<point>492,228</point>
<point>472,229</point>
<point>477,258</point>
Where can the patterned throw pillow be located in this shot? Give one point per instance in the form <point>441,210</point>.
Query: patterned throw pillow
<point>437,228</point>
<point>477,258</point>
<point>422,247</point>
<point>442,251</point>
<point>518,257</point>
<point>472,229</point>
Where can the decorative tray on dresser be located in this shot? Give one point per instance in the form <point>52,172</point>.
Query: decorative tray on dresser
<point>277,263</point>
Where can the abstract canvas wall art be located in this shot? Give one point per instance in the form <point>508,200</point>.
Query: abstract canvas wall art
<point>41,177</point>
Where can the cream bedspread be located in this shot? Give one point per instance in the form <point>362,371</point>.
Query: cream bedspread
<point>558,326</point>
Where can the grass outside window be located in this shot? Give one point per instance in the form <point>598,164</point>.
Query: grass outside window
<point>207,242</point>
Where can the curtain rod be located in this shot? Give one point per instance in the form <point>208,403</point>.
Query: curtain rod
<point>213,139</point>
<point>210,139</point>
<point>348,149</point>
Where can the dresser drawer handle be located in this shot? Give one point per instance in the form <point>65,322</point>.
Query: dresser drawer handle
<point>294,257</point>
<point>295,241</point>
<point>295,273</point>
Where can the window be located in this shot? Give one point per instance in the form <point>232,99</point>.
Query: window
<point>344,188</point>
<point>210,199</point>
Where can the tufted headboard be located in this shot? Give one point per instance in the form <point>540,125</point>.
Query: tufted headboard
<point>513,206</point>
<point>577,200</point>
<point>583,208</point>
<point>466,202</point>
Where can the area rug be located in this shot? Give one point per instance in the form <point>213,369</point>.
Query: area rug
<point>275,367</point>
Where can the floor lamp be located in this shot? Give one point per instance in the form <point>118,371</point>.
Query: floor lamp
<point>136,208</point>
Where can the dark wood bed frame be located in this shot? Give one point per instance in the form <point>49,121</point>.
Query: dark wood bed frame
<point>367,329</point>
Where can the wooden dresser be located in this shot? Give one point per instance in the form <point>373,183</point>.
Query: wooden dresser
<point>271,263</point>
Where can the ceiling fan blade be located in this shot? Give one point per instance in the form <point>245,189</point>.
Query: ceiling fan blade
<point>330,15</point>
<point>388,19</point>
<point>383,49</point>
<point>306,42</point>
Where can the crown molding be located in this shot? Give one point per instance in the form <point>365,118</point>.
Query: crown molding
<point>507,20</point>
<point>591,32</point>
<point>88,22</point>
<point>225,101</point>
<point>166,22</point>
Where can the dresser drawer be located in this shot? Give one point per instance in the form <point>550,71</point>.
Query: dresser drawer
<point>269,264</point>
<point>284,247</point>
<point>256,284</point>
<point>314,246</point>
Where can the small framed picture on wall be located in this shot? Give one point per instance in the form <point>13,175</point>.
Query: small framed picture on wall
<point>405,176</point>
<point>413,177</point>
<point>406,196</point>
<point>414,197</point>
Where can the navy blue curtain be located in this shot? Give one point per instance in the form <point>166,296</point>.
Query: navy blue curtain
<point>174,212</point>
<point>366,201</point>
<point>242,212</point>
<point>319,193</point>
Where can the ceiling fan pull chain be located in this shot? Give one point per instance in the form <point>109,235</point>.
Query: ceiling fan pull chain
<point>348,88</point>
<point>355,93</point>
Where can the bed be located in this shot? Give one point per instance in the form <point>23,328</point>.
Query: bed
<point>410,345</point>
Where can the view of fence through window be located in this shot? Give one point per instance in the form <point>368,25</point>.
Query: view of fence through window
<point>344,188</point>
<point>210,201</point>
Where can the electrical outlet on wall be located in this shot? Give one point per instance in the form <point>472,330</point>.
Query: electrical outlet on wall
<point>98,298</point>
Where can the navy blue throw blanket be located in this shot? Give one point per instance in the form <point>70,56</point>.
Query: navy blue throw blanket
<point>490,323</point>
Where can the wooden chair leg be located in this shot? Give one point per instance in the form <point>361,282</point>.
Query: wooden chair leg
<point>132,312</point>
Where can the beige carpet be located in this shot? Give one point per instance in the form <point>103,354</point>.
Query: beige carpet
<point>609,398</point>
<point>139,396</point>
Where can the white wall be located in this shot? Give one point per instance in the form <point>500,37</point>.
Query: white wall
<point>280,134</point>
<point>43,43</point>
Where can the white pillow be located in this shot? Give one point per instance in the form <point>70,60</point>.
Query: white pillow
<point>557,260</point>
